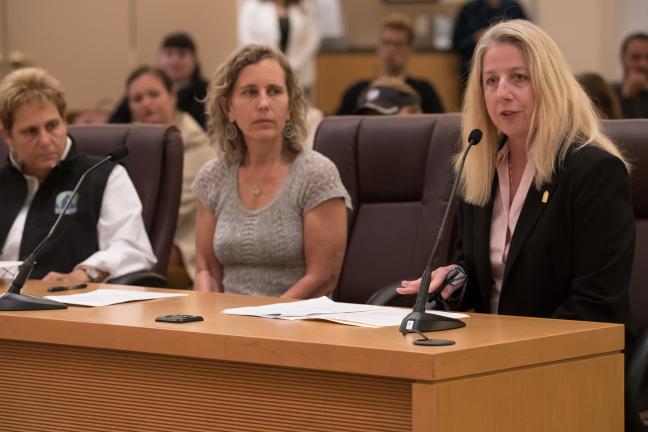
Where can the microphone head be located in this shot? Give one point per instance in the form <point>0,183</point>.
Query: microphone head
<point>475,136</point>
<point>118,154</point>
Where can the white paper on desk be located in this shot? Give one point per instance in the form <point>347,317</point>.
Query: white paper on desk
<point>106,297</point>
<point>383,317</point>
<point>9,269</point>
<point>300,309</point>
<point>324,308</point>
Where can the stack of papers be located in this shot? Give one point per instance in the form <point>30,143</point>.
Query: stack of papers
<point>9,269</point>
<point>324,308</point>
<point>105,297</point>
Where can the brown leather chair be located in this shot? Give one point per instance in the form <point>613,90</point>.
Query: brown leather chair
<point>632,137</point>
<point>154,164</point>
<point>398,172</point>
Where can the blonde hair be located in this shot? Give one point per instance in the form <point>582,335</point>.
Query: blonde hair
<point>563,115</point>
<point>26,86</point>
<point>220,92</point>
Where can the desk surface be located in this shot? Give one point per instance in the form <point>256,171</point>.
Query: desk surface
<point>487,344</point>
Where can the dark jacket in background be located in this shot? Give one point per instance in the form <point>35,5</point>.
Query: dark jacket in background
<point>632,107</point>
<point>474,16</point>
<point>430,102</point>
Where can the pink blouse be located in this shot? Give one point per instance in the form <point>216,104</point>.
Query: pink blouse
<point>504,218</point>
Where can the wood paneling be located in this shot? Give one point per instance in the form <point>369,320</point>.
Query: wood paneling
<point>115,369</point>
<point>92,45</point>
<point>557,397</point>
<point>502,342</point>
<point>211,23</point>
<point>83,43</point>
<point>103,390</point>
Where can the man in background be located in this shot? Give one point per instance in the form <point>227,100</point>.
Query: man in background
<point>633,90</point>
<point>395,42</point>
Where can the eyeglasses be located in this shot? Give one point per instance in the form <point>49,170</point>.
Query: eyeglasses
<point>394,43</point>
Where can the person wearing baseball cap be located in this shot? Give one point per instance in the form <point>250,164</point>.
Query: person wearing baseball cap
<point>388,96</point>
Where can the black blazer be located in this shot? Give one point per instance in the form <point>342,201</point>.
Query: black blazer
<point>570,257</point>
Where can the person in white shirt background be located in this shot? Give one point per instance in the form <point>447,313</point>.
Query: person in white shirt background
<point>292,27</point>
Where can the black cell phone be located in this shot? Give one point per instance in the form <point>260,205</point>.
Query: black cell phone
<point>177,319</point>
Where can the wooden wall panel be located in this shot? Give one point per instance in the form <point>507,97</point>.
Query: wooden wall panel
<point>84,43</point>
<point>104,390</point>
<point>552,398</point>
<point>211,23</point>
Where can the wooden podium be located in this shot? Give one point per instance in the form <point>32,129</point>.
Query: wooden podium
<point>115,369</point>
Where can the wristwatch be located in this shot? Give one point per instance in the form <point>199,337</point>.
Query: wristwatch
<point>93,273</point>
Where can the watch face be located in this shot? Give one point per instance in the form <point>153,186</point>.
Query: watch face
<point>93,274</point>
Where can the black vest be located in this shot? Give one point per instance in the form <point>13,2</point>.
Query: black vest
<point>76,237</point>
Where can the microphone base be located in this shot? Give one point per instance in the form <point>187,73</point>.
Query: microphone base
<point>22,302</point>
<point>425,322</point>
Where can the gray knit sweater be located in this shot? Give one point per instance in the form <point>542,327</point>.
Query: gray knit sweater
<point>262,251</point>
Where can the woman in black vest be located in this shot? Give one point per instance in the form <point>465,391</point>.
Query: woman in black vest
<point>102,234</point>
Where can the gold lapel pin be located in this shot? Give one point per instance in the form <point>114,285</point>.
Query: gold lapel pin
<point>545,197</point>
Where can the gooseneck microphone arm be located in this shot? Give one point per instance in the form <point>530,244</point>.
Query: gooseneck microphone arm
<point>418,320</point>
<point>25,269</point>
<point>12,299</point>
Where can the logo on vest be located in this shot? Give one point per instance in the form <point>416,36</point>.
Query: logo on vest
<point>62,199</point>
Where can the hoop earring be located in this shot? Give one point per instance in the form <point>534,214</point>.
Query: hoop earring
<point>231,131</point>
<point>289,130</point>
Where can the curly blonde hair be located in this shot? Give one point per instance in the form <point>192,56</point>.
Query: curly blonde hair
<point>220,92</point>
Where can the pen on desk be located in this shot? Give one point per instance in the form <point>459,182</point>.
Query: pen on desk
<point>66,288</point>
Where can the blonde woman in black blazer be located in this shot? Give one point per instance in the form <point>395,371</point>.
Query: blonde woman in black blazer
<point>547,182</point>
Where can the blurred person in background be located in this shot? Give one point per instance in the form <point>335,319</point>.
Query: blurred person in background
<point>600,92</point>
<point>389,96</point>
<point>473,20</point>
<point>151,100</point>
<point>633,90</point>
<point>289,26</point>
<point>395,41</point>
<point>178,58</point>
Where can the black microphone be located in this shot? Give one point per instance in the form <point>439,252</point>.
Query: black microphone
<point>417,320</point>
<point>12,299</point>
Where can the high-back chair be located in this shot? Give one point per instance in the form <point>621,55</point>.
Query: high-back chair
<point>632,137</point>
<point>398,172</point>
<point>154,164</point>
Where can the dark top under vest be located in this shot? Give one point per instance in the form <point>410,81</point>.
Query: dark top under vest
<point>76,237</point>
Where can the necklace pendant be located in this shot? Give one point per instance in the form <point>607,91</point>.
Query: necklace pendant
<point>256,191</point>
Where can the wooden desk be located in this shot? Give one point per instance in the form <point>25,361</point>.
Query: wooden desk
<point>114,368</point>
